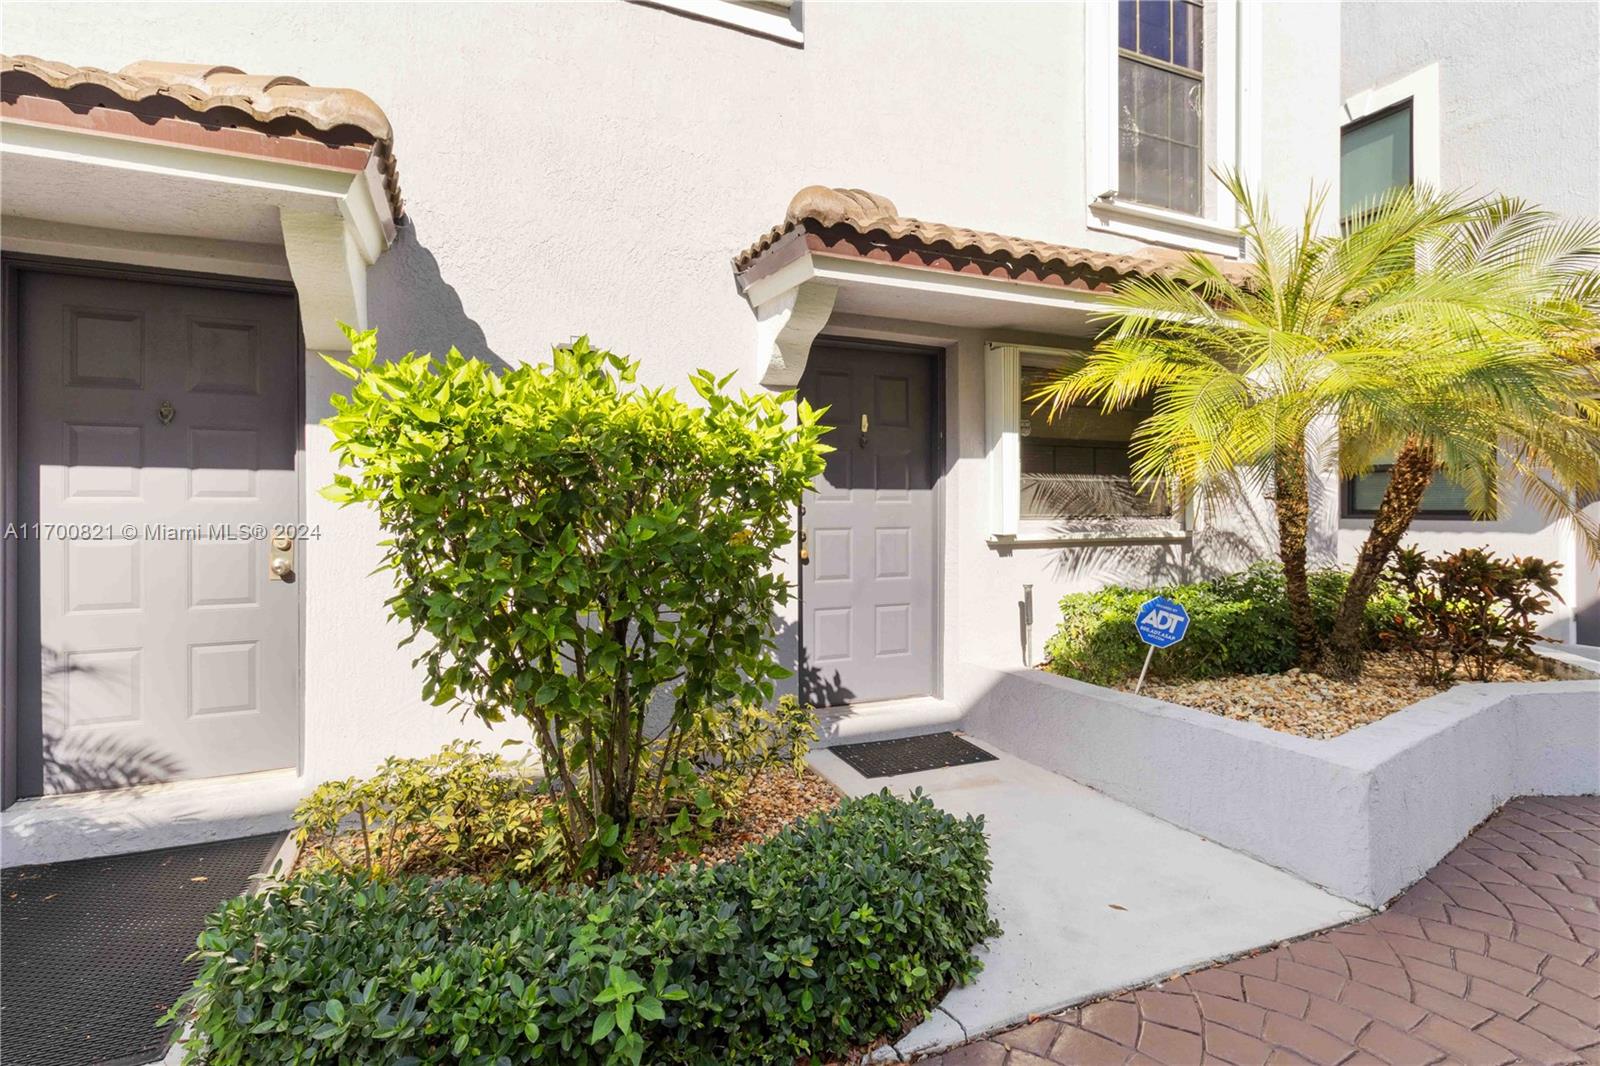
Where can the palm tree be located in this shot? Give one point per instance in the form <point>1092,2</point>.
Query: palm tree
<point>1486,370</point>
<point>1445,329</point>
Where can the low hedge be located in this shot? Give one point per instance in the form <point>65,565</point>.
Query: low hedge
<point>1238,624</point>
<point>841,929</point>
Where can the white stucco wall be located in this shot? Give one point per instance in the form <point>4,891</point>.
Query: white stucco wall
<point>575,168</point>
<point>1519,114</point>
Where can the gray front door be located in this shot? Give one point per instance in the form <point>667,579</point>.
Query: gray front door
<point>867,593</point>
<point>157,433</point>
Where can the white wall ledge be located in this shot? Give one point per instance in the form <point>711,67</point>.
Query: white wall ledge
<point>751,18</point>
<point>1160,226</point>
<point>1363,814</point>
<point>1088,538</point>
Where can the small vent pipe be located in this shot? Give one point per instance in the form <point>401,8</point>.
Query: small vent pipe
<point>1027,625</point>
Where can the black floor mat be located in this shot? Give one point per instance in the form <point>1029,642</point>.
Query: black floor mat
<point>92,952</point>
<point>908,755</point>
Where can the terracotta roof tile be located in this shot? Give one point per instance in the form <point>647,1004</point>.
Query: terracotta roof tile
<point>819,209</point>
<point>206,92</point>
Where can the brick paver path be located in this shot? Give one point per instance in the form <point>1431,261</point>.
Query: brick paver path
<point>1493,958</point>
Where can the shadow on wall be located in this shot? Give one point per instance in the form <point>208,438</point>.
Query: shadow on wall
<point>415,309</point>
<point>816,687</point>
<point>88,762</point>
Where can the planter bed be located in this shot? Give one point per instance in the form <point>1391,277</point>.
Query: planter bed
<point>840,930</point>
<point>1363,814</point>
<point>1309,704</point>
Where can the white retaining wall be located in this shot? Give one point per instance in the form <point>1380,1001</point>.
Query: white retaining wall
<point>1364,814</point>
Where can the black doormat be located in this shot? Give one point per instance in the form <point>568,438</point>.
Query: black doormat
<point>908,755</point>
<point>92,952</point>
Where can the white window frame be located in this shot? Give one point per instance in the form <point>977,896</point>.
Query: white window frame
<point>1003,446</point>
<point>1232,80</point>
<point>777,19</point>
<point>1421,88</point>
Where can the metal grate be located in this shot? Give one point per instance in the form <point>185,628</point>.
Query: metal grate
<point>96,950</point>
<point>909,755</point>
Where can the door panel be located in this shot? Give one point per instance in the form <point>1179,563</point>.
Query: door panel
<point>867,594</point>
<point>158,426</point>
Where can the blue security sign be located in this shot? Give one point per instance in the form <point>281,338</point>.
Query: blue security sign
<point>1161,622</point>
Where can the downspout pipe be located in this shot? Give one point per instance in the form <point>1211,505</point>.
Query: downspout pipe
<point>1027,625</point>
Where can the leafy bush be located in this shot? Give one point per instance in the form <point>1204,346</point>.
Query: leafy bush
<point>1238,624</point>
<point>460,810</point>
<point>464,810</point>
<point>841,929</point>
<point>703,772</point>
<point>1471,609</point>
<point>564,543</point>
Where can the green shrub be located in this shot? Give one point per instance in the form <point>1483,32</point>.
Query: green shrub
<point>698,776</point>
<point>563,543</point>
<point>1238,624</point>
<point>841,929</point>
<point>460,810</point>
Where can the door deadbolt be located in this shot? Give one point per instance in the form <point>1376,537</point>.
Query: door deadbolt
<point>280,558</point>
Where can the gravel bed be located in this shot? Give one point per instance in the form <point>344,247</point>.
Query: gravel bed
<point>1308,704</point>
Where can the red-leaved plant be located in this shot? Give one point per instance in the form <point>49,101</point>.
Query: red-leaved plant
<point>1471,610</point>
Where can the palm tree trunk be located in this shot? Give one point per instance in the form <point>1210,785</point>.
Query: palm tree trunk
<point>1413,470</point>
<point>1293,510</point>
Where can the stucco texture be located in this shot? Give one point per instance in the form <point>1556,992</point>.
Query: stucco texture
<point>592,168</point>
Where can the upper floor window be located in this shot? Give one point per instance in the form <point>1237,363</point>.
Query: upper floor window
<point>1160,103</point>
<point>1374,157</point>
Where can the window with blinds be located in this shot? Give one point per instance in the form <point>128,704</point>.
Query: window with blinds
<point>1077,464</point>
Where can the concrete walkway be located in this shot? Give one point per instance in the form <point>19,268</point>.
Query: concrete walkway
<point>1493,958</point>
<point>1093,896</point>
<point>84,825</point>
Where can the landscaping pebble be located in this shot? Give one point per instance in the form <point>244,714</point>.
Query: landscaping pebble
<point>1309,704</point>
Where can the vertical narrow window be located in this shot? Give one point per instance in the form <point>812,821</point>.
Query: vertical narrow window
<point>1374,157</point>
<point>1160,101</point>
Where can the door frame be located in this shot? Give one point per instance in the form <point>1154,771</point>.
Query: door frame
<point>938,357</point>
<point>12,266</point>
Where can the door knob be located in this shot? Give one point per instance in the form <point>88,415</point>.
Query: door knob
<point>805,553</point>
<point>280,557</point>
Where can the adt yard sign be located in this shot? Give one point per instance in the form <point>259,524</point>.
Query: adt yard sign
<point>1161,624</point>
